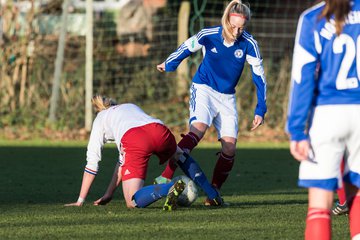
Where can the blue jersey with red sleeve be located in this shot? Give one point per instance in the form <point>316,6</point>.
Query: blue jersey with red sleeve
<point>325,70</point>
<point>223,63</point>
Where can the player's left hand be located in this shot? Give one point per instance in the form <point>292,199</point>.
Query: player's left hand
<point>75,204</point>
<point>258,120</point>
<point>103,200</point>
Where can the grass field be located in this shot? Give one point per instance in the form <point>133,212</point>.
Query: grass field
<point>37,179</point>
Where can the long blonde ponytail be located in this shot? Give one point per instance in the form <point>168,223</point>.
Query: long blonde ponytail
<point>101,103</point>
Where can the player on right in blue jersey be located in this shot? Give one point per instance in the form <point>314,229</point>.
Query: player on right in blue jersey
<point>324,111</point>
<point>226,48</point>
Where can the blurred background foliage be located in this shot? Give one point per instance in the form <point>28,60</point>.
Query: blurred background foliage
<point>129,41</point>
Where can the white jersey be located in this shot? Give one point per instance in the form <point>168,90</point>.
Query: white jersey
<point>111,125</point>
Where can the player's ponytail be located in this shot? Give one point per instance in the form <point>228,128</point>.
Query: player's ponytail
<point>237,7</point>
<point>101,103</point>
<point>339,9</point>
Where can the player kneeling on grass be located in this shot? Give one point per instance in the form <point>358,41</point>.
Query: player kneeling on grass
<point>137,136</point>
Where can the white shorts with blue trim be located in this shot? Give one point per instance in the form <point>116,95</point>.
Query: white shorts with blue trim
<point>335,131</point>
<point>211,107</point>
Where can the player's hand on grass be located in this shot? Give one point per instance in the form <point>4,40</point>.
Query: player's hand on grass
<point>75,204</point>
<point>103,200</point>
<point>161,67</point>
<point>258,120</point>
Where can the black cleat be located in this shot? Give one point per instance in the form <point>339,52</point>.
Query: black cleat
<point>340,209</point>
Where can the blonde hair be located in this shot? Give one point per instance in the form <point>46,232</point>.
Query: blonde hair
<point>235,6</point>
<point>101,103</point>
<point>340,9</point>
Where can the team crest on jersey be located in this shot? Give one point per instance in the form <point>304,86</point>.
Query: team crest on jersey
<point>239,53</point>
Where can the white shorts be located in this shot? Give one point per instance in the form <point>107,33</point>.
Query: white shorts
<point>209,106</point>
<point>335,130</point>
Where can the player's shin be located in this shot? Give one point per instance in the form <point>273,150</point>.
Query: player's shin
<point>222,169</point>
<point>194,172</point>
<point>150,194</point>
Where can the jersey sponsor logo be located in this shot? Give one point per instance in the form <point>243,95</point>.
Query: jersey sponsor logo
<point>238,53</point>
<point>214,50</point>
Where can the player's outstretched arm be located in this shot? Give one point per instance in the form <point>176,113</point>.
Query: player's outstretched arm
<point>115,182</point>
<point>85,187</point>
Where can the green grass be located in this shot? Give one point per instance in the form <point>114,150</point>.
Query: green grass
<point>37,179</point>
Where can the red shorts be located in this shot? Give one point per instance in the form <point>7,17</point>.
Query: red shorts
<point>138,144</point>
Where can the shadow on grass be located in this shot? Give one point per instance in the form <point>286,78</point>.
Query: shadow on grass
<point>53,174</point>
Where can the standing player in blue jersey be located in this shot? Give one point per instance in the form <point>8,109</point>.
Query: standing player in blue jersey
<point>226,48</point>
<point>137,137</point>
<point>324,111</point>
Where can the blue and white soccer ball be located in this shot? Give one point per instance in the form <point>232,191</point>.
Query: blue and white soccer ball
<point>190,193</point>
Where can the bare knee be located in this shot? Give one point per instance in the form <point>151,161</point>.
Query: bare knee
<point>199,129</point>
<point>228,145</point>
<point>229,149</point>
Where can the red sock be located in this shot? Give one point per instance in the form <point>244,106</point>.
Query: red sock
<point>354,216</point>
<point>222,169</point>
<point>187,143</point>
<point>341,195</point>
<point>169,170</point>
<point>341,191</point>
<point>318,224</point>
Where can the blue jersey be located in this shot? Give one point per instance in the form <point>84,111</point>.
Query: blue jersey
<point>223,64</point>
<point>325,70</point>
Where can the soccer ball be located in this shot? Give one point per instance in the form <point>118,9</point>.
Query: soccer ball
<point>190,193</point>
